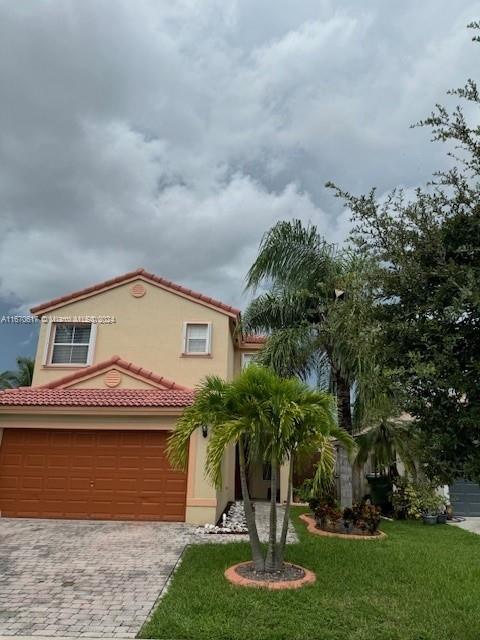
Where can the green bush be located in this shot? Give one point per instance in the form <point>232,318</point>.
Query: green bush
<point>304,491</point>
<point>412,500</point>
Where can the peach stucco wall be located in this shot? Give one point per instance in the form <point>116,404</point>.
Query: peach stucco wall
<point>148,331</point>
<point>126,382</point>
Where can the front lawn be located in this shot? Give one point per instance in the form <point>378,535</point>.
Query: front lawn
<point>421,583</point>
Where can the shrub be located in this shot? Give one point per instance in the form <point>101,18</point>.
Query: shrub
<point>370,518</point>
<point>364,516</point>
<point>304,491</point>
<point>413,499</point>
<point>326,510</point>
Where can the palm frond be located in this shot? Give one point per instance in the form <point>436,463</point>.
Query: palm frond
<point>291,254</point>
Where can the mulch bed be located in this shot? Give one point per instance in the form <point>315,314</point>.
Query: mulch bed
<point>243,574</point>
<point>289,572</point>
<point>339,528</point>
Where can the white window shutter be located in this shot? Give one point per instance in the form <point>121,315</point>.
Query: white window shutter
<point>209,338</point>
<point>184,337</point>
<point>91,346</point>
<point>46,346</point>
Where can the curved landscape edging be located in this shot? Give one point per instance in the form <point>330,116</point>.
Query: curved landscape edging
<point>312,528</point>
<point>234,578</point>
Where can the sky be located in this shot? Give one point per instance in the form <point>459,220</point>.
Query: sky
<point>172,135</point>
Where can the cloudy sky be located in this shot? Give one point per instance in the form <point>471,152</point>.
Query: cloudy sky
<point>171,135</point>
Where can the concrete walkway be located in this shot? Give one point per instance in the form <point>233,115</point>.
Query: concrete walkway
<point>469,524</point>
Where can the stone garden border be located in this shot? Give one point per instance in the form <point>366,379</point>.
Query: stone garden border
<point>312,528</point>
<point>232,576</point>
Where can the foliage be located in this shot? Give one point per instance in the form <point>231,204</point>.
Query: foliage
<point>427,249</point>
<point>326,511</point>
<point>280,418</point>
<point>411,500</point>
<point>318,313</point>
<point>386,441</point>
<point>20,378</point>
<point>367,516</point>
<point>364,516</point>
<point>305,490</point>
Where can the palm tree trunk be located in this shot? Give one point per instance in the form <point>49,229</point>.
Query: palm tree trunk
<point>270,564</point>
<point>257,555</point>
<point>345,420</point>
<point>286,518</point>
<point>343,403</point>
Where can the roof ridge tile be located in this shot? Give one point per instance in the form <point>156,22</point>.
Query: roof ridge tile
<point>128,276</point>
<point>119,362</point>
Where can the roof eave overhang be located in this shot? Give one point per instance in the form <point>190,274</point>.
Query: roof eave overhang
<point>41,310</point>
<point>87,411</point>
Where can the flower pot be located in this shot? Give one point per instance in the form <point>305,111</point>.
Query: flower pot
<point>428,519</point>
<point>442,518</point>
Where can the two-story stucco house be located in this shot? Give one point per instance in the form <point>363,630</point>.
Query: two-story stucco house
<point>116,364</point>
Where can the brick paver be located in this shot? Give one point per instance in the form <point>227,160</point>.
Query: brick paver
<point>83,579</point>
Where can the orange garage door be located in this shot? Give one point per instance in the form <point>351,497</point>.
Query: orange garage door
<point>114,475</point>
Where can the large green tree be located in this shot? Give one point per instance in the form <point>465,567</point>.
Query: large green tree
<point>428,281</point>
<point>271,420</point>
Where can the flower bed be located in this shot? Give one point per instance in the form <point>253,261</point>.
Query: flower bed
<point>329,532</point>
<point>360,521</point>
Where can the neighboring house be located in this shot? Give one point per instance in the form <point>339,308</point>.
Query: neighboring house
<point>116,365</point>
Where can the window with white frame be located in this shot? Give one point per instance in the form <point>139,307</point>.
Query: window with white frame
<point>71,343</point>
<point>197,338</point>
<point>247,358</point>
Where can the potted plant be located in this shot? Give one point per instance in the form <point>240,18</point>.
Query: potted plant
<point>442,515</point>
<point>442,518</point>
<point>431,506</point>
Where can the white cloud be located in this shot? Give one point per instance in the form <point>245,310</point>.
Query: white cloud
<point>172,135</point>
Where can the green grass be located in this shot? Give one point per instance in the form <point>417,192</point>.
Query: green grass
<point>421,583</point>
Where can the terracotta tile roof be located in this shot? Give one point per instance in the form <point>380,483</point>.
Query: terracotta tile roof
<point>251,338</point>
<point>118,363</point>
<point>131,275</point>
<point>41,397</point>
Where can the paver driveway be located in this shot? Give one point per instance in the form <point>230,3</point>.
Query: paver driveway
<point>80,578</point>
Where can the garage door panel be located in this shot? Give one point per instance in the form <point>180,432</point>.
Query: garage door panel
<point>35,460</point>
<point>56,483</point>
<point>106,462</point>
<point>82,462</point>
<point>32,483</point>
<point>79,438</point>
<point>57,461</point>
<point>12,460</point>
<point>465,498</point>
<point>95,474</point>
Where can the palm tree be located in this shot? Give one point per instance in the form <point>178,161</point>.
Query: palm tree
<point>389,437</point>
<point>318,312</point>
<point>279,419</point>
<point>21,378</point>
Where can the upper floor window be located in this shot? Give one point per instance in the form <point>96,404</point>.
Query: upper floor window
<point>71,343</point>
<point>197,338</point>
<point>247,358</point>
